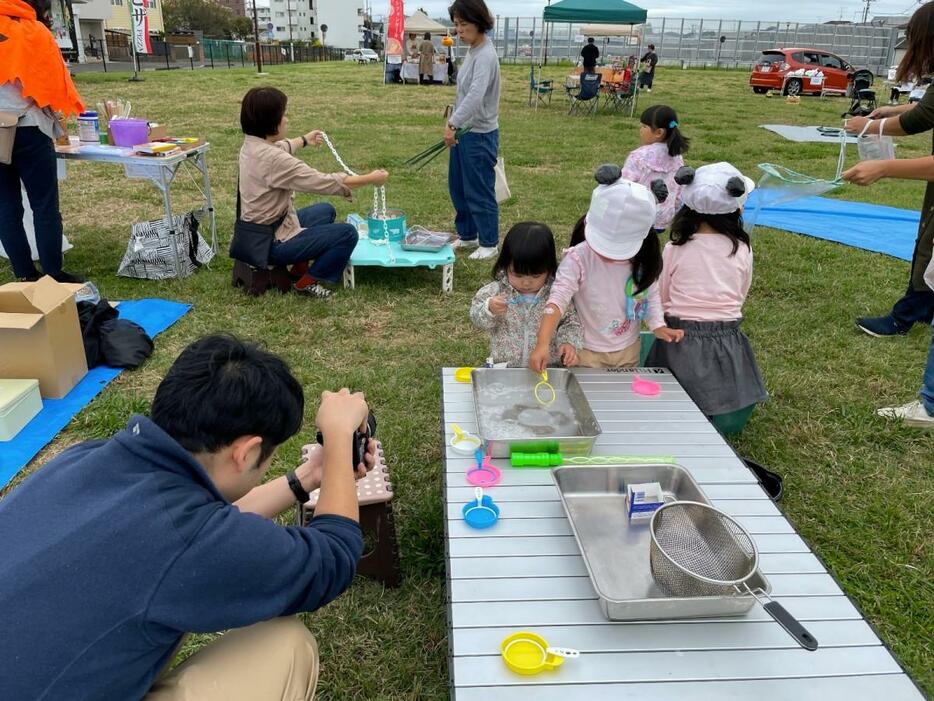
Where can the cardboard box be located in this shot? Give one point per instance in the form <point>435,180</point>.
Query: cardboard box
<point>40,335</point>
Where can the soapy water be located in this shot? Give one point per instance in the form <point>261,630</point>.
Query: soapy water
<point>513,413</point>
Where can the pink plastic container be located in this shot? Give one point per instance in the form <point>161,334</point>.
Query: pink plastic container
<point>129,132</point>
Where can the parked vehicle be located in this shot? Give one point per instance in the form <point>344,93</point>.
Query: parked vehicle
<point>361,56</point>
<point>775,65</point>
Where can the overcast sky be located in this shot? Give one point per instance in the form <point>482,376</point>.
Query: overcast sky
<point>787,10</point>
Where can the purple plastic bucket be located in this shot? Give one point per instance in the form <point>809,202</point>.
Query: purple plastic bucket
<point>129,132</point>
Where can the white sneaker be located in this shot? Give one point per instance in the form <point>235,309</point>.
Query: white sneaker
<point>913,414</point>
<point>483,252</point>
<point>465,244</point>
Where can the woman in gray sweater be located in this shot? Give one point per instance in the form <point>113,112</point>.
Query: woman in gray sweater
<point>471,178</point>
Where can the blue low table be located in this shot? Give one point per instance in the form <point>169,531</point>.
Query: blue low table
<point>392,255</point>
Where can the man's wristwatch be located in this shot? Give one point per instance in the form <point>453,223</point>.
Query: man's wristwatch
<point>452,127</point>
<point>304,141</point>
<point>296,486</point>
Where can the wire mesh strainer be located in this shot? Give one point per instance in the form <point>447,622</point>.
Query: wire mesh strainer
<point>697,550</point>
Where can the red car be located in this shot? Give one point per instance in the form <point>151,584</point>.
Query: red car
<point>774,65</point>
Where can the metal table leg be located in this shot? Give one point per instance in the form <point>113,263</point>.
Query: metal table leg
<point>201,163</point>
<point>348,277</point>
<point>447,278</point>
<point>163,185</point>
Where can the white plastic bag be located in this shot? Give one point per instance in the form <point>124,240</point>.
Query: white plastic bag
<point>502,187</point>
<point>875,147</point>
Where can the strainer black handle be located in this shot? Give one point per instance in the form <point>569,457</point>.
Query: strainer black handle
<point>791,625</point>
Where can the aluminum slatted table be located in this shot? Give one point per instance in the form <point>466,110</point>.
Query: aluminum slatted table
<point>526,573</point>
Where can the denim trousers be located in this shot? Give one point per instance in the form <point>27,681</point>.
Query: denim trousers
<point>927,385</point>
<point>34,165</point>
<point>328,244</point>
<point>472,184</point>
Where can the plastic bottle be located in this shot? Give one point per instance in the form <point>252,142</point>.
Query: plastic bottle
<point>535,459</point>
<point>89,128</point>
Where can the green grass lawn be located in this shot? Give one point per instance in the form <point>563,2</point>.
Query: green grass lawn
<point>858,489</point>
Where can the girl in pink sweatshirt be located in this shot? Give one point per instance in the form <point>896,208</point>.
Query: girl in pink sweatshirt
<point>706,276</point>
<point>611,277</point>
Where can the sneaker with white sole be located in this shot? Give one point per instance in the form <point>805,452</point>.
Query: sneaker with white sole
<point>483,252</point>
<point>913,414</point>
<point>315,291</point>
<point>465,244</point>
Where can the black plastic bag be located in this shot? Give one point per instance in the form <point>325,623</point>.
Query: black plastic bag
<point>124,344</point>
<point>91,315</point>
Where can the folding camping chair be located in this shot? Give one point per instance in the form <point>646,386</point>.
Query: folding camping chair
<point>623,97</point>
<point>587,96</point>
<point>539,88</point>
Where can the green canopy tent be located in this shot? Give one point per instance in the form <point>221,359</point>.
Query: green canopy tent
<point>595,11</point>
<point>592,11</point>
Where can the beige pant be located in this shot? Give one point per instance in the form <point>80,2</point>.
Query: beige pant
<point>626,358</point>
<point>270,661</point>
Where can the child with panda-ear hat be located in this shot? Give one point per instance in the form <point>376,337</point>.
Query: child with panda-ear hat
<point>706,275</point>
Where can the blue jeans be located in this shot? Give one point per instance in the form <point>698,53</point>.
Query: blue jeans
<point>34,164</point>
<point>927,385</point>
<point>328,244</point>
<point>472,184</point>
<point>914,306</point>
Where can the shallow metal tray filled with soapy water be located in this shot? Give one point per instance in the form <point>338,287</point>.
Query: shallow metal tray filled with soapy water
<point>616,552</point>
<point>512,415</point>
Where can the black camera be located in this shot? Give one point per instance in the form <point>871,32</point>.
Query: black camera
<point>360,440</point>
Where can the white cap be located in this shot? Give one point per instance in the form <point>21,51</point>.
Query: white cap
<point>620,217</point>
<point>707,193</point>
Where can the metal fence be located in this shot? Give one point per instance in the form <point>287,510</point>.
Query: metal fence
<point>697,42</point>
<point>208,53</point>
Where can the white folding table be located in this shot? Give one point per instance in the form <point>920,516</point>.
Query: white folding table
<point>160,171</point>
<point>526,573</point>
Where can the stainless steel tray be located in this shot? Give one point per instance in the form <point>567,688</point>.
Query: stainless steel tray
<point>617,554</point>
<point>510,417</point>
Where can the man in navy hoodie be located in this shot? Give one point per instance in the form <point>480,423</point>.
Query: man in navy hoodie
<point>116,549</point>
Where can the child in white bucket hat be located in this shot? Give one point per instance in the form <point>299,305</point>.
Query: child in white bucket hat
<point>704,282</point>
<point>611,277</point>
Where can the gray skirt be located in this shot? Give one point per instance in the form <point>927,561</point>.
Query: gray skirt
<point>714,363</point>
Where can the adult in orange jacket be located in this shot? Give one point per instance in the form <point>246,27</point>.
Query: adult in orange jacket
<point>34,84</point>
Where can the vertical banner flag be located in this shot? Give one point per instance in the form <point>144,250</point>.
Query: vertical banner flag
<point>395,29</point>
<point>139,20</point>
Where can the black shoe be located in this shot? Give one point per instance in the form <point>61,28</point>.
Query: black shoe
<point>881,326</point>
<point>31,277</point>
<point>69,278</point>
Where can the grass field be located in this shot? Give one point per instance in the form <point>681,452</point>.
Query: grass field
<point>858,489</point>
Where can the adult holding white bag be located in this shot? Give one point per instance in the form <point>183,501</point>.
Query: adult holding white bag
<point>471,171</point>
<point>917,304</point>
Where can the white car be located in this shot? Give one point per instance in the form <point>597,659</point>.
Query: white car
<point>362,56</point>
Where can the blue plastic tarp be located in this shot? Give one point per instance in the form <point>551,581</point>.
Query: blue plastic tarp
<point>871,227</point>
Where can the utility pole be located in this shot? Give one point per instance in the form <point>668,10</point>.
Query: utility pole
<point>866,4</point>
<point>288,9</point>
<point>259,58</point>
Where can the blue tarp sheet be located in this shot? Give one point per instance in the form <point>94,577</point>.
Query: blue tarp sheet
<point>872,227</point>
